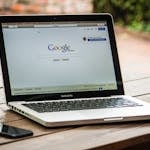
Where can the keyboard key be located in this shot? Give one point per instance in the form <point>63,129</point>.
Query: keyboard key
<point>71,105</point>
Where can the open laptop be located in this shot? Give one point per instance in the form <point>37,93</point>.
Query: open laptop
<point>63,70</point>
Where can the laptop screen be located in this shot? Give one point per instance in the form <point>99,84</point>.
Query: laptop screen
<point>58,57</point>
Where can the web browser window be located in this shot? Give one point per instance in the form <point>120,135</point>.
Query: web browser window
<point>58,57</point>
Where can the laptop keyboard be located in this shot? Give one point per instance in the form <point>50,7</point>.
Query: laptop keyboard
<point>80,104</point>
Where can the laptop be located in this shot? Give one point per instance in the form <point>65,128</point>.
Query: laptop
<point>62,70</point>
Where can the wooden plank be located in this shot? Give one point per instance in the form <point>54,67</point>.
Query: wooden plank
<point>137,87</point>
<point>11,118</point>
<point>42,131</point>
<point>6,115</point>
<point>85,137</point>
<point>134,54</point>
<point>37,129</point>
<point>2,96</point>
<point>145,98</point>
<point>17,120</point>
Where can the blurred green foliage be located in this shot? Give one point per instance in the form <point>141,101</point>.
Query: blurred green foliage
<point>135,14</point>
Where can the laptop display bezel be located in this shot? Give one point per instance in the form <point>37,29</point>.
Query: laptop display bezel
<point>61,18</point>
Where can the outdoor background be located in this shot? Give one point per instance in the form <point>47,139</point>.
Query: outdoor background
<point>133,14</point>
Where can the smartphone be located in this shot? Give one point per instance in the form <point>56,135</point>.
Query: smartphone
<point>13,132</point>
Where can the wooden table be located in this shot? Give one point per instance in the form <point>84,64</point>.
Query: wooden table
<point>135,64</point>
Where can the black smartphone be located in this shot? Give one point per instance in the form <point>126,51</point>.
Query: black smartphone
<point>13,132</point>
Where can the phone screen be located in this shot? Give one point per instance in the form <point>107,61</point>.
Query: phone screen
<point>14,132</point>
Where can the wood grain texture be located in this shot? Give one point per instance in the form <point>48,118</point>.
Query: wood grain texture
<point>137,87</point>
<point>86,137</point>
<point>14,119</point>
<point>145,98</point>
<point>2,96</point>
<point>134,54</point>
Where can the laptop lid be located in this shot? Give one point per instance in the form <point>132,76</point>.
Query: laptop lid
<point>60,56</point>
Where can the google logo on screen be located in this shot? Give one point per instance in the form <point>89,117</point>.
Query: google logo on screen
<point>59,48</point>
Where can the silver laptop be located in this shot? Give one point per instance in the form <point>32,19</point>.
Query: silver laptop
<point>63,70</point>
